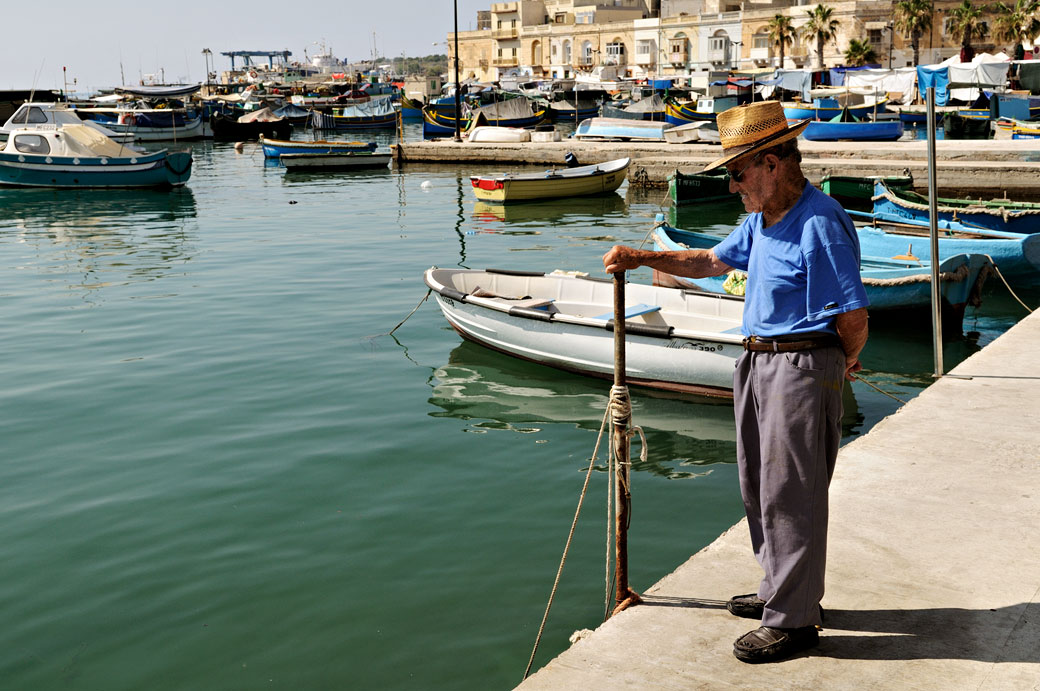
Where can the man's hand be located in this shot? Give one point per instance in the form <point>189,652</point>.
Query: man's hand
<point>621,258</point>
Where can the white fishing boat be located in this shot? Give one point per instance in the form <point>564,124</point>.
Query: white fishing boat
<point>701,131</point>
<point>30,115</point>
<point>78,156</point>
<point>676,340</point>
<point>487,133</point>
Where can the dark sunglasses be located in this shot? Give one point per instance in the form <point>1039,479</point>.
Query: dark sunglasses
<point>737,176</point>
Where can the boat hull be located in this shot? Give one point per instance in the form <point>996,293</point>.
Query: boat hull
<point>339,160</point>
<point>161,169</point>
<point>1012,217</point>
<point>696,188</point>
<point>796,112</point>
<point>192,129</point>
<point>228,129</point>
<point>884,131</point>
<point>657,355</point>
<point>621,129</point>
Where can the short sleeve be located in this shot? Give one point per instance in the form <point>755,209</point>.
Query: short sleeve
<point>834,285</point>
<point>735,248</point>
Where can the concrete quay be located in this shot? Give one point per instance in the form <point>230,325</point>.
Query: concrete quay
<point>987,168</point>
<point>934,560</point>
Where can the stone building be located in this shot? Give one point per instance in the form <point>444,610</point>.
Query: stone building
<point>648,39</point>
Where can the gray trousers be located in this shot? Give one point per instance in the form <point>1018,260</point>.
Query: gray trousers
<point>788,412</point>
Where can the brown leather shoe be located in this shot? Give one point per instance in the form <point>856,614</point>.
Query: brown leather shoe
<point>747,606</point>
<point>768,644</point>
<point>751,606</point>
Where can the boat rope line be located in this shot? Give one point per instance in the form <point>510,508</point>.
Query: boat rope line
<point>567,545</point>
<point>1006,284</point>
<point>877,388</point>
<point>618,407</point>
<point>414,310</point>
<point>646,237</point>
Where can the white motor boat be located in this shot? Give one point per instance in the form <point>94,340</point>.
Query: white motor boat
<point>31,115</point>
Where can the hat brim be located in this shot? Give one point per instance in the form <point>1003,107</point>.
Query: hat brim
<point>791,132</point>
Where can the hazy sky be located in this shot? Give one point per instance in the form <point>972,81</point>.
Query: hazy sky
<point>91,39</point>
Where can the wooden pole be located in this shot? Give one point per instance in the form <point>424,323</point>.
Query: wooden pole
<point>621,413</point>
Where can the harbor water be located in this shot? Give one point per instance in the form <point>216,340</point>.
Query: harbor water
<point>219,472</point>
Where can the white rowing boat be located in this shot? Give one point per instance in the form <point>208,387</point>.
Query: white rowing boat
<point>676,340</point>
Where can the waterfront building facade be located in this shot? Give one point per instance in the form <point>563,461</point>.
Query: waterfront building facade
<point>677,39</point>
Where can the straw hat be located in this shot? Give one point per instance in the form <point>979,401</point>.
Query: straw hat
<point>752,127</point>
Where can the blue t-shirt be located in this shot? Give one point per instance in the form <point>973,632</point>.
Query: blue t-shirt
<point>802,271</point>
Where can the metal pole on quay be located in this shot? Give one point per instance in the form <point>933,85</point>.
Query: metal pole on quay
<point>458,96</point>
<point>934,235</point>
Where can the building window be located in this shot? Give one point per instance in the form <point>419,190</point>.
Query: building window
<point>718,43</point>
<point>561,17</point>
<point>644,48</point>
<point>761,41</point>
<point>875,36</point>
<point>616,49</point>
<point>552,50</point>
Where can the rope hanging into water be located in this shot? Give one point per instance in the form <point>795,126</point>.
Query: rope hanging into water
<point>391,332</point>
<point>567,545</point>
<point>646,237</point>
<point>618,407</point>
<point>1006,284</point>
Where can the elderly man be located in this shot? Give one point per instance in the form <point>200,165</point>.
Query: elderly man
<point>805,323</point>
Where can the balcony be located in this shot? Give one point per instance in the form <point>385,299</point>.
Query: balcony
<point>502,7</point>
<point>505,34</point>
<point>719,55</point>
<point>506,62</point>
<point>677,58</point>
<point>760,54</point>
<point>644,58</point>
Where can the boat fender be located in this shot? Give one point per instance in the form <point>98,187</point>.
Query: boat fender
<point>651,330</point>
<point>252,74</point>
<point>530,313</point>
<point>452,294</point>
<point>571,160</point>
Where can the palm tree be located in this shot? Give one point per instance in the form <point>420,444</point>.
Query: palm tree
<point>1016,23</point>
<point>781,34</point>
<point>859,53</point>
<point>822,27</point>
<point>914,17</point>
<point>966,20</point>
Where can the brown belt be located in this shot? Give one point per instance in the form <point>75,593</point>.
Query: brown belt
<point>758,344</point>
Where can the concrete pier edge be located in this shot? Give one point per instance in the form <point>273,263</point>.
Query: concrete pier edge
<point>933,577</point>
<point>964,167</point>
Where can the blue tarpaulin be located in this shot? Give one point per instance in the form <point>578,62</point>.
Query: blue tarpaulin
<point>939,77</point>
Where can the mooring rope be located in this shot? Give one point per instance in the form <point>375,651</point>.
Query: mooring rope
<point>877,388</point>
<point>567,545</point>
<point>618,407</point>
<point>646,237</point>
<point>391,332</point>
<point>1006,284</point>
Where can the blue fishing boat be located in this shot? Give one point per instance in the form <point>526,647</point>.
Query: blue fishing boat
<point>847,127</point>
<point>411,109</point>
<point>568,111</point>
<point>827,131</point>
<point>995,214</point>
<point>78,156</point>
<point>827,108</point>
<point>273,148</point>
<point>516,112</point>
<point>892,284</point>
<point>621,129</point>
<point>704,109</point>
<point>1017,255</point>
